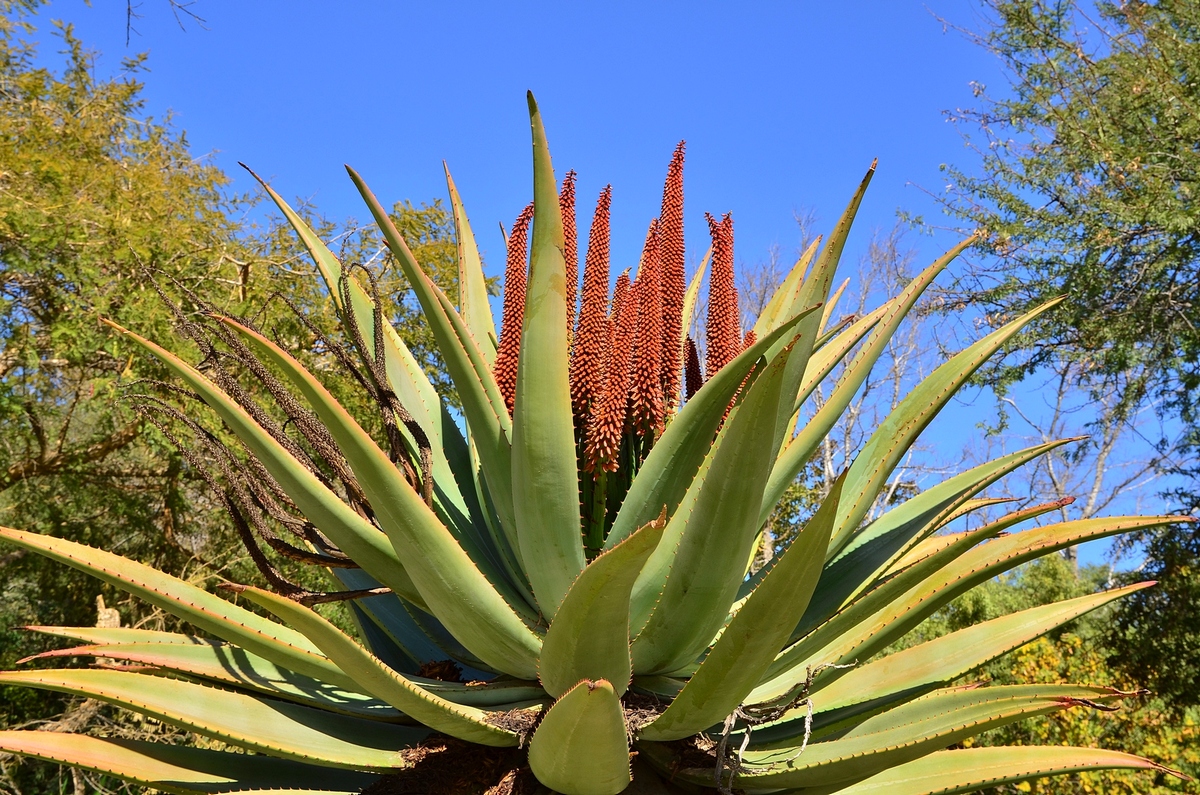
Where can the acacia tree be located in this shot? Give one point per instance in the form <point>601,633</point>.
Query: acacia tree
<point>1086,185</point>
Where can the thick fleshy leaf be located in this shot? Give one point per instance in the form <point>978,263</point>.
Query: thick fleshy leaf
<point>940,661</point>
<point>473,302</point>
<point>278,728</point>
<point>464,722</point>
<point>666,474</point>
<point>589,638</point>
<point>899,614</point>
<point>801,448</point>
<point>203,610</point>
<point>483,406</point>
<point>691,295</point>
<point>119,635</point>
<point>888,537</point>
<point>580,747</point>
<point>813,292</point>
<point>713,538</point>
<point>890,441</point>
<point>234,667</point>
<point>179,769</point>
<point>452,473</point>
<point>903,734</point>
<point>782,299</point>
<point>751,640</point>
<point>449,582</point>
<point>970,769</point>
<point>353,534</point>
<point>545,474</point>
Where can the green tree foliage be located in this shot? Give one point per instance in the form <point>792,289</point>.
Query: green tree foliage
<point>95,196</point>
<point>1087,186</point>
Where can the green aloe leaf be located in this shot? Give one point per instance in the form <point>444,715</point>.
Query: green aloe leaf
<point>589,637</point>
<point>801,448</point>
<point>456,591</point>
<point>473,302</point>
<point>893,533</point>
<point>483,406</point>
<point>464,722</point>
<point>353,534</point>
<point>545,475</point>
<point>903,734</point>
<point>785,295</point>
<point>691,294</point>
<point>714,537</point>
<point>971,769</point>
<point>939,662</point>
<point>203,610</point>
<point>752,639</point>
<point>231,666</point>
<point>452,471</point>
<point>278,728</point>
<point>668,471</point>
<point>119,635</point>
<point>580,747</point>
<point>890,441</point>
<point>897,615</point>
<point>813,292</point>
<point>179,769</point>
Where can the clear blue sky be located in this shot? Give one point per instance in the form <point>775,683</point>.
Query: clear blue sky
<point>783,106</point>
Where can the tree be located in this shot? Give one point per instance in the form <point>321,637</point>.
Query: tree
<point>1086,186</point>
<point>95,197</point>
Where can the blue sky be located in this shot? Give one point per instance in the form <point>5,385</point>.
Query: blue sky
<point>783,106</point>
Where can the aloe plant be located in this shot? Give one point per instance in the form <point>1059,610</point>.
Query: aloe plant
<point>577,542</point>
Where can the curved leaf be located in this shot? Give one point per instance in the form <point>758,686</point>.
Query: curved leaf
<point>353,534</point>
<point>473,302</point>
<point>176,768</point>
<point>445,576</point>
<point>970,769</point>
<point>580,746</point>
<point>465,723</point>
<point>203,610</point>
<point>715,538</point>
<point>589,638</point>
<point>545,475</point>
<point>272,727</point>
<point>750,642</point>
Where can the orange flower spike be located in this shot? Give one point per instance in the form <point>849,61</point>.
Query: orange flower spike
<point>593,337</point>
<point>516,277</point>
<point>671,259</point>
<point>749,339</point>
<point>566,207</point>
<point>693,375</point>
<point>723,329</point>
<point>647,412</point>
<point>606,425</point>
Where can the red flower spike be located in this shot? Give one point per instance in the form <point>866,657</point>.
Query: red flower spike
<point>516,276</point>
<point>647,411</point>
<point>723,330</point>
<point>620,294</point>
<point>670,257</point>
<point>566,207</point>
<point>594,335</point>
<point>749,339</point>
<point>606,425</point>
<point>693,375</point>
